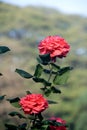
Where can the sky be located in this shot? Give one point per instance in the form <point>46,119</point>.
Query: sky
<point>78,7</point>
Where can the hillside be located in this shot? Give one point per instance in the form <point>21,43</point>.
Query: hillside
<point>21,29</point>
<point>31,24</point>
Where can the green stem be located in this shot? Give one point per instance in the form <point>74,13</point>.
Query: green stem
<point>28,124</point>
<point>34,120</point>
<point>31,123</point>
<point>51,68</point>
<point>50,75</point>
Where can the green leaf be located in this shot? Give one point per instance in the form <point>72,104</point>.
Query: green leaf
<point>53,123</point>
<point>41,80</point>
<point>15,102</point>
<point>4,49</point>
<point>49,71</point>
<point>45,59</point>
<point>61,79</point>
<point>57,123</point>
<point>23,73</point>
<point>55,90</point>
<point>55,66</point>
<point>47,92</point>
<point>2,97</point>
<point>28,92</point>
<point>52,102</point>
<point>39,60</point>
<point>16,114</point>
<point>22,127</point>
<point>64,70</point>
<point>46,83</point>
<point>62,76</point>
<point>44,127</point>
<point>45,122</point>
<point>38,71</point>
<point>11,127</point>
<point>46,71</point>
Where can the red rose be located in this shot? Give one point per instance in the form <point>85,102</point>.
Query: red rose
<point>63,122</point>
<point>33,103</point>
<point>56,46</point>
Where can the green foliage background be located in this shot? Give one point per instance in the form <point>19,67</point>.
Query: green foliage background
<point>21,29</point>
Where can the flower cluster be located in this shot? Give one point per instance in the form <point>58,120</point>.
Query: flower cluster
<point>33,103</point>
<point>62,124</point>
<point>56,46</point>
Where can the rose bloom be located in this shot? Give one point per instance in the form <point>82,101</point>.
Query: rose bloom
<point>33,103</point>
<point>63,122</point>
<point>56,46</point>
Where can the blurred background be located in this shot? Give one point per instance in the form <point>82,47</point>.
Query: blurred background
<point>23,24</point>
